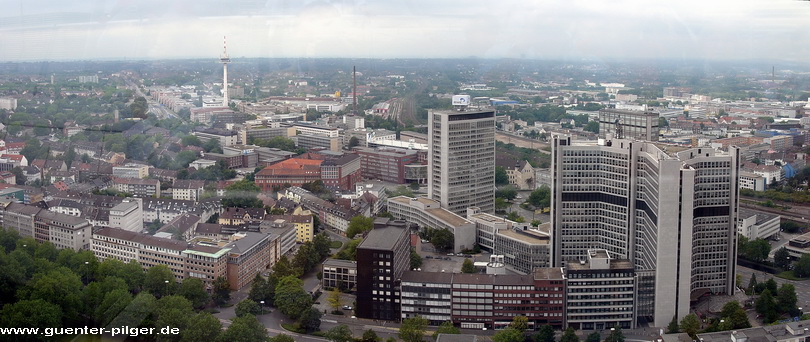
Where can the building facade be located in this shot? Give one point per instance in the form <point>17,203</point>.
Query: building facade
<point>621,196</point>
<point>600,293</point>
<point>461,159</point>
<point>641,125</point>
<point>382,257</point>
<point>386,163</point>
<point>428,213</point>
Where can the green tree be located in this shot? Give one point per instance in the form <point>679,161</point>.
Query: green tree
<point>222,291</point>
<point>735,315</point>
<point>593,337</point>
<point>592,126</point>
<point>615,335</point>
<point>340,333</point>
<point>349,250</point>
<point>672,328</point>
<point>520,323</point>
<point>291,299</point>
<point>765,305</point>
<point>58,286</point>
<point>752,284</point>
<point>545,334</point>
<point>569,336</point>
<point>246,307</point>
<point>202,327</point>
<point>781,258</point>
<point>159,281</point>
<point>193,289</point>
<point>173,311</point>
<point>501,178</point>
<point>507,192</point>
<point>443,239</point>
<point>244,329</point>
<point>413,329</point>
<point>335,299</point>
<point>370,336</point>
<point>353,141</point>
<point>446,328</point>
<point>802,267</point>
<point>138,311</point>
<point>757,250</point>
<point>468,267</point>
<point>284,267</point>
<point>310,319</point>
<point>772,286</point>
<point>114,302</point>
<point>690,324</point>
<point>509,335</point>
<point>281,338</point>
<point>416,259</point>
<point>541,197</point>
<point>358,225</point>
<point>501,204</point>
<point>786,299</point>
<point>35,313</point>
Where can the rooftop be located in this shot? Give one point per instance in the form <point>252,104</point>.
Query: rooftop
<point>529,236</point>
<point>382,238</point>
<point>447,216</point>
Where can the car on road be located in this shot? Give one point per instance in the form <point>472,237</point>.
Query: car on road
<point>346,307</point>
<point>450,254</point>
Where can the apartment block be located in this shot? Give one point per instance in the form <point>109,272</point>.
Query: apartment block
<point>137,187</point>
<point>131,171</point>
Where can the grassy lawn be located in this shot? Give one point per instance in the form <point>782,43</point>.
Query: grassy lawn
<point>789,275</point>
<point>335,244</point>
<point>293,328</point>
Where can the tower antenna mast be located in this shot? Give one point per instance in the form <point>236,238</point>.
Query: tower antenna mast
<point>225,59</point>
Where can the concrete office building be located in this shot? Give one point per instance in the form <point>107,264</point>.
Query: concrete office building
<point>461,159</point>
<point>671,211</point>
<point>601,292</point>
<point>428,213</point>
<point>382,257</point>
<point>128,215</point>
<point>524,249</point>
<point>641,125</point>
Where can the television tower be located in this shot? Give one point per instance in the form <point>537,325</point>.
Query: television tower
<point>224,59</point>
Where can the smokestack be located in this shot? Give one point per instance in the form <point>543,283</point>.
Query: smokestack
<point>354,90</point>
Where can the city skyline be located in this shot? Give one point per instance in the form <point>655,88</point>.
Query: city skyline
<point>451,29</point>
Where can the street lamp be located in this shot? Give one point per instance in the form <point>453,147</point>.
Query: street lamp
<point>167,286</point>
<point>86,271</point>
<point>261,302</point>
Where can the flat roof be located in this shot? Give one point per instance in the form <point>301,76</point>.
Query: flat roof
<point>615,264</point>
<point>527,236</point>
<point>447,216</point>
<point>340,263</point>
<point>428,277</point>
<point>382,238</point>
<point>547,273</point>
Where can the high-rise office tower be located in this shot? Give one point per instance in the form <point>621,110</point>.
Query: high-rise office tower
<point>628,124</point>
<point>461,159</point>
<point>670,210</point>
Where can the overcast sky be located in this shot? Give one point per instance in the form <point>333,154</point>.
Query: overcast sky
<point>148,29</point>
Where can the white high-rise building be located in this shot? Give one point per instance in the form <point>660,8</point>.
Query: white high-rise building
<point>461,159</point>
<point>671,211</point>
